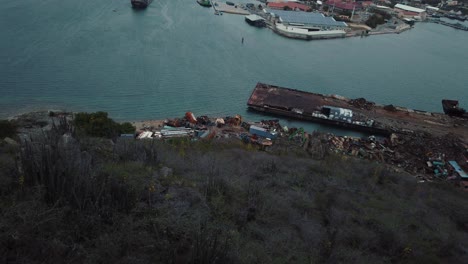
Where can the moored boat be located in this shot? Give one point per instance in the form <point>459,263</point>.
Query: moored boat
<point>140,3</point>
<point>205,3</point>
<point>255,20</point>
<point>302,105</point>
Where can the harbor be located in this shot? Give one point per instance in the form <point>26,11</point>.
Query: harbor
<point>229,7</point>
<point>300,21</point>
<point>351,67</point>
<point>458,26</point>
<point>180,134</point>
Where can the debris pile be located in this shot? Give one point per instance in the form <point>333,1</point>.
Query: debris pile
<point>361,103</point>
<point>203,127</point>
<point>418,154</point>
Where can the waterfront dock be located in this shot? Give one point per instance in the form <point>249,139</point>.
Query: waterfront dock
<point>448,24</point>
<point>231,9</point>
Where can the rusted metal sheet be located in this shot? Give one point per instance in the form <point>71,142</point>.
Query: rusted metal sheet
<point>284,98</point>
<point>459,170</point>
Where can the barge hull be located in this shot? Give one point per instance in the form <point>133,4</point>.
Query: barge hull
<point>372,130</point>
<point>300,105</point>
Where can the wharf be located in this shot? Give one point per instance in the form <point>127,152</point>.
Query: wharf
<point>448,24</point>
<point>385,119</point>
<point>231,9</point>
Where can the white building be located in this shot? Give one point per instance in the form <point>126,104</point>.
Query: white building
<point>405,11</point>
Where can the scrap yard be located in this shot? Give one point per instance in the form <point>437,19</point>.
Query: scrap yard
<point>430,146</point>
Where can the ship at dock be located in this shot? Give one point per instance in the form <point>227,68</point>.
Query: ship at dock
<point>311,107</point>
<point>140,3</point>
<point>255,20</point>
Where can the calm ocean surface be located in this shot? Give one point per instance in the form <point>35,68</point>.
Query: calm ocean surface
<point>176,56</point>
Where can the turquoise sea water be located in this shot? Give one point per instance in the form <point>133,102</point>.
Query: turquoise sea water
<point>177,56</point>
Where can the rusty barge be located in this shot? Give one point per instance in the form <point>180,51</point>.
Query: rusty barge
<point>311,107</point>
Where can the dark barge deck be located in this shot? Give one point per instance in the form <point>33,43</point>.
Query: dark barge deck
<point>304,106</point>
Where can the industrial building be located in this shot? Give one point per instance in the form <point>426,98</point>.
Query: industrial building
<point>306,25</point>
<point>307,20</point>
<point>405,11</point>
<point>290,5</point>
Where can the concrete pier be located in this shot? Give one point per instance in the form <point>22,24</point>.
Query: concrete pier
<point>225,8</point>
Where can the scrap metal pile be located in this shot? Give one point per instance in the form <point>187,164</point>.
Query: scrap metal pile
<point>420,153</point>
<point>204,127</point>
<point>361,103</point>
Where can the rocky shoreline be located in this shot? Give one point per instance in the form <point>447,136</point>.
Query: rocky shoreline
<point>421,154</point>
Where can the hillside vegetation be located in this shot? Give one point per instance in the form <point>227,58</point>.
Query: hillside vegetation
<point>67,197</point>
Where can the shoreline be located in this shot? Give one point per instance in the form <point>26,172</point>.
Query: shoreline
<point>423,155</point>
<point>147,124</point>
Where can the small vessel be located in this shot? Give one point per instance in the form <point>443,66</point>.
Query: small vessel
<point>205,3</point>
<point>255,20</point>
<point>140,3</point>
<point>456,17</point>
<point>452,108</point>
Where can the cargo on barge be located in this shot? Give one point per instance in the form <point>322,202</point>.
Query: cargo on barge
<point>311,107</point>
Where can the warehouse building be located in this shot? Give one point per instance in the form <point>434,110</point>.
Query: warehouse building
<point>405,11</point>
<point>307,20</point>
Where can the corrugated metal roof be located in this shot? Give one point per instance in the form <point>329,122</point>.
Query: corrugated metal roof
<point>308,18</point>
<point>409,8</point>
<point>292,5</point>
<point>343,5</point>
<point>254,17</point>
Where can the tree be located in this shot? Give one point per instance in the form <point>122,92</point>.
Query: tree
<point>100,125</point>
<point>375,20</point>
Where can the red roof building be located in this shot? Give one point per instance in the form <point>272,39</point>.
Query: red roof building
<point>366,3</point>
<point>341,5</point>
<point>292,5</point>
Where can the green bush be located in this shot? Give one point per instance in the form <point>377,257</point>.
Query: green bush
<point>375,20</point>
<point>126,128</point>
<point>378,18</point>
<point>100,125</point>
<point>93,201</point>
